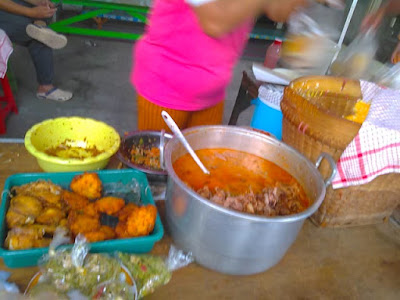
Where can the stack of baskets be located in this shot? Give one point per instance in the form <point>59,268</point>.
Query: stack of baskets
<point>313,122</point>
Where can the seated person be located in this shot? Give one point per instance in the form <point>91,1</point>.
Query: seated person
<point>23,21</point>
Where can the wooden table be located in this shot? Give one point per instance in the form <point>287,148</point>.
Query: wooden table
<point>351,263</point>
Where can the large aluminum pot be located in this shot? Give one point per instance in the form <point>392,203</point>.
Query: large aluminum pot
<point>226,240</point>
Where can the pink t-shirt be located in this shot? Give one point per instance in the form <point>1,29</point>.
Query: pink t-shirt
<point>177,65</point>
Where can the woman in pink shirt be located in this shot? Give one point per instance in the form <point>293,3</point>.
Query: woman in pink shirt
<point>184,61</point>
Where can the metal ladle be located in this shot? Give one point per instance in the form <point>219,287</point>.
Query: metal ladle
<point>175,129</point>
<point>162,142</point>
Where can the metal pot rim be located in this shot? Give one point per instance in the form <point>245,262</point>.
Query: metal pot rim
<point>262,219</point>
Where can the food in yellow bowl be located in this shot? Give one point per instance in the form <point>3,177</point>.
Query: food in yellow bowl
<point>72,144</point>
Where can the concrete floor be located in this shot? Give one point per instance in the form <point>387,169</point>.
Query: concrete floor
<point>97,71</point>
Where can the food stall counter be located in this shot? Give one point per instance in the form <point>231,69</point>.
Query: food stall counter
<point>323,263</point>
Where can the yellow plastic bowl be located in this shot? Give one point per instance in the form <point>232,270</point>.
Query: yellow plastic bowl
<point>85,132</point>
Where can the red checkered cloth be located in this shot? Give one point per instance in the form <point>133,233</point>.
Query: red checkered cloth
<point>5,51</point>
<point>376,148</point>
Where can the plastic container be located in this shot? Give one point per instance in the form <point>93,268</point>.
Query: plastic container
<point>30,257</point>
<point>74,132</point>
<point>273,54</point>
<point>267,117</point>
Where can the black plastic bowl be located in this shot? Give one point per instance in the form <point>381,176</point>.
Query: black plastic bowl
<point>150,139</point>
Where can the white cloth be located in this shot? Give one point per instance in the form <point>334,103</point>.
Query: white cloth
<point>376,148</point>
<point>271,95</point>
<point>5,51</point>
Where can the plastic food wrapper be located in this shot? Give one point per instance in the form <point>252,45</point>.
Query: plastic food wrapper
<point>130,192</point>
<point>309,46</point>
<point>76,274</point>
<point>389,76</point>
<point>353,61</point>
<point>150,271</point>
<point>112,290</point>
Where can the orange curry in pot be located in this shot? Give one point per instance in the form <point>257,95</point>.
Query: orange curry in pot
<point>243,182</point>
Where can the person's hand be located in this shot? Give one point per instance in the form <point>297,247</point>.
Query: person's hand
<point>396,54</point>
<point>280,10</point>
<point>41,12</point>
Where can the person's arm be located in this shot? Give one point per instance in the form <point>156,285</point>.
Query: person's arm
<point>38,12</point>
<point>40,3</point>
<point>218,17</point>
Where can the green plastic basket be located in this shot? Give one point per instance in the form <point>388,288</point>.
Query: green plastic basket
<point>30,257</point>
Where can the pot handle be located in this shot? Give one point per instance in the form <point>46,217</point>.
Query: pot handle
<point>331,162</point>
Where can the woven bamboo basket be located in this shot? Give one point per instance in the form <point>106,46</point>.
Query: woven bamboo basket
<point>313,110</point>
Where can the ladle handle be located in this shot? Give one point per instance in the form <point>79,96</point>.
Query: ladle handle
<point>332,164</point>
<point>175,129</point>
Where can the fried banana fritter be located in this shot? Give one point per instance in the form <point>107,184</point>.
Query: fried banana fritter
<point>121,230</point>
<point>82,223</point>
<point>142,220</point>
<point>50,216</point>
<point>91,210</point>
<point>104,233</point>
<point>124,213</point>
<point>74,201</point>
<point>110,205</point>
<point>87,184</point>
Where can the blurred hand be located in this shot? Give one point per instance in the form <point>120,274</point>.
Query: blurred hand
<point>396,54</point>
<point>41,12</point>
<point>280,10</point>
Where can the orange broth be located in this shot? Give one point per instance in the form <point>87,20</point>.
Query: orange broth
<point>236,172</point>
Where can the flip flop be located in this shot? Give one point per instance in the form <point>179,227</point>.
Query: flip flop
<point>46,36</point>
<point>55,94</point>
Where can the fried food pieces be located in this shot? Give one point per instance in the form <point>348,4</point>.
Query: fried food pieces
<point>35,211</point>
<point>104,233</point>
<point>47,192</point>
<point>50,216</point>
<point>26,237</point>
<point>87,185</point>
<point>124,213</point>
<point>79,222</point>
<point>141,221</point>
<point>109,205</point>
<point>73,200</point>
<point>23,210</point>
<point>39,208</point>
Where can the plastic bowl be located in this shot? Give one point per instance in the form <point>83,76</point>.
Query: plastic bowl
<point>82,132</point>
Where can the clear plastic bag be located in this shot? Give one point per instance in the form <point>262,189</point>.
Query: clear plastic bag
<point>389,76</point>
<point>77,271</point>
<point>150,271</point>
<point>354,60</point>
<point>309,46</point>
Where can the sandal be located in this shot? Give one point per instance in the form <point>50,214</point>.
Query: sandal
<point>55,94</point>
<point>46,36</point>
